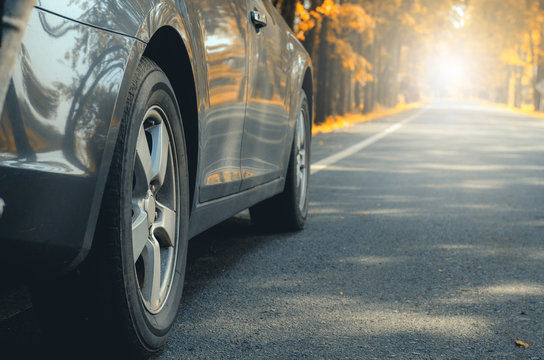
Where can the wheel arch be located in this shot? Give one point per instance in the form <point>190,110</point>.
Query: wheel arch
<point>167,49</point>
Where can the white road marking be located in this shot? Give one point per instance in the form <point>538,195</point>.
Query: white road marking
<point>330,160</point>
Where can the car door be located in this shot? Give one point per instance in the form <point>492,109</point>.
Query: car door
<point>224,30</point>
<point>266,125</point>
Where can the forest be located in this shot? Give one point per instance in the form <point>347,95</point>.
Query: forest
<point>371,54</point>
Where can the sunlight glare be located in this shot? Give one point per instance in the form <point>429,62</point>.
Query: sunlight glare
<point>448,72</point>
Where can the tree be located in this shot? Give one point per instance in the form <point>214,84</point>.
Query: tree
<point>369,53</point>
<point>287,9</point>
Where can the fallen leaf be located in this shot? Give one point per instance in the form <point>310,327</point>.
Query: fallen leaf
<point>520,343</point>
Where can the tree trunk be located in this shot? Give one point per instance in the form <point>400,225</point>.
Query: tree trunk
<point>323,98</point>
<point>287,9</point>
<point>370,88</point>
<point>518,96</point>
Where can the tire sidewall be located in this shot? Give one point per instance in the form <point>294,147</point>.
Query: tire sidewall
<point>152,89</point>
<point>301,215</point>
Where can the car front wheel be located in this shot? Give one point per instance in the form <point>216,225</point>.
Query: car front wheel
<point>126,294</point>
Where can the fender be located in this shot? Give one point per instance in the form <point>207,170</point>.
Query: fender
<point>163,14</point>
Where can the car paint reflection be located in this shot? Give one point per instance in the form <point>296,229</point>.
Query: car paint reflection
<point>266,129</point>
<point>121,16</point>
<point>224,38</point>
<point>62,112</point>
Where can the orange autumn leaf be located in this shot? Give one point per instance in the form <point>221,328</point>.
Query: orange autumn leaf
<point>523,344</point>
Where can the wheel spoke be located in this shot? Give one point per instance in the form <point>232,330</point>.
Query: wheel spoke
<point>143,166</point>
<point>166,225</point>
<point>140,233</point>
<point>152,282</point>
<point>159,154</point>
<point>302,161</point>
<point>300,131</point>
<point>303,185</point>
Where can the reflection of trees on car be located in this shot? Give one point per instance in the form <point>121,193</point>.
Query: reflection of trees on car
<point>93,71</point>
<point>13,18</point>
<point>95,65</point>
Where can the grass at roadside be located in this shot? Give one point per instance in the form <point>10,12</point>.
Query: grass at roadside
<point>336,122</point>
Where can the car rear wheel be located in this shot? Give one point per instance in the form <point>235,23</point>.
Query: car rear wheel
<point>288,210</point>
<point>126,294</point>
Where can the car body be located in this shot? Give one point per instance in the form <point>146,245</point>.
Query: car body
<point>237,86</point>
<point>129,127</point>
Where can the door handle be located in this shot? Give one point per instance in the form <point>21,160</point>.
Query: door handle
<point>258,19</point>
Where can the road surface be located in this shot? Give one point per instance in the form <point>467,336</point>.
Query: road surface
<point>425,241</point>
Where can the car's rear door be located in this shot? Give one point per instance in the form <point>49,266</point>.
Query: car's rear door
<point>224,33</point>
<point>266,124</point>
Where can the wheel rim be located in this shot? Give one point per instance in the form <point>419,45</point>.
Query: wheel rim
<point>301,159</point>
<point>154,210</point>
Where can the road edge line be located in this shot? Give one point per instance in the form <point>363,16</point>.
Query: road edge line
<point>330,160</point>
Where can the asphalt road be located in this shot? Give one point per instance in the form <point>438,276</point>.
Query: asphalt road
<point>425,241</point>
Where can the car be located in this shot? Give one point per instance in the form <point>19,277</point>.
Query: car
<point>131,126</point>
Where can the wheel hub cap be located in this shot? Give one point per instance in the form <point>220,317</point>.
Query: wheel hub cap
<point>149,208</point>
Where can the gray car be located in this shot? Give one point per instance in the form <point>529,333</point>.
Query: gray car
<point>131,126</point>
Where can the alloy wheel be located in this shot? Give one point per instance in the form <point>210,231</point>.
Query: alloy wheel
<point>154,209</point>
<point>301,159</point>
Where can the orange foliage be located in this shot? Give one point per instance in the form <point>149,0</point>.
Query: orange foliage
<point>336,122</point>
<point>306,23</point>
<point>346,19</point>
<point>356,18</point>
<point>328,8</point>
<point>511,57</point>
<point>353,61</point>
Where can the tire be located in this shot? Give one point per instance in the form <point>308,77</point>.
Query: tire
<point>288,210</point>
<point>126,294</point>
